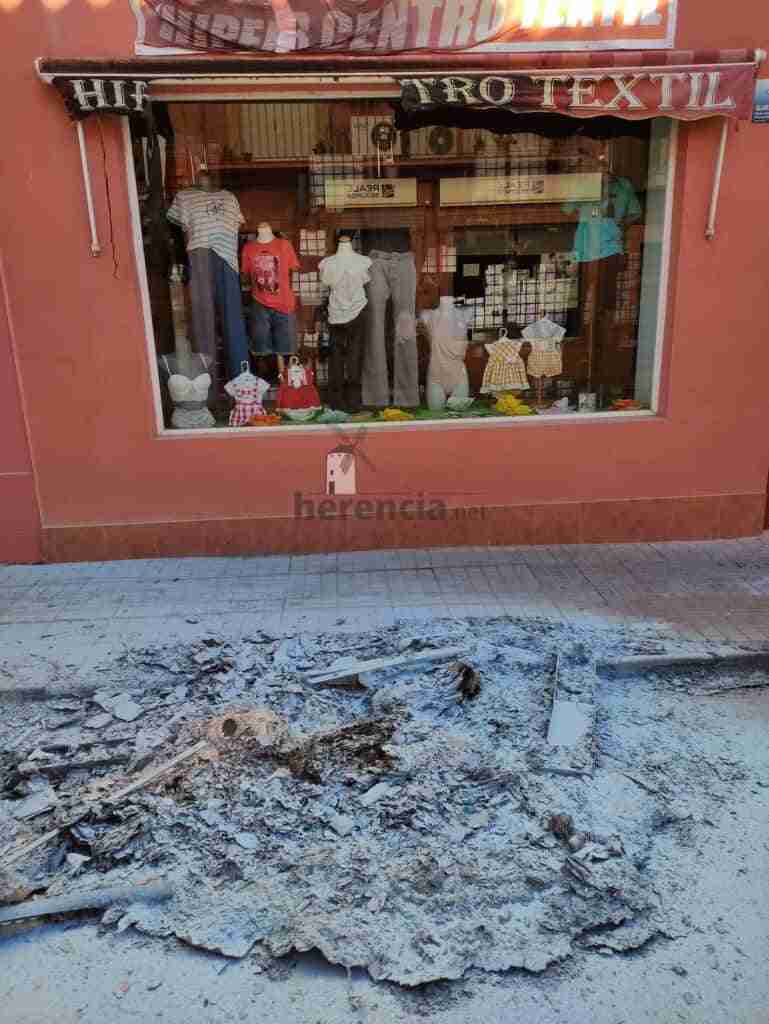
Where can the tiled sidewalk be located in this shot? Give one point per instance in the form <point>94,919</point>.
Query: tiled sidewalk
<point>60,619</point>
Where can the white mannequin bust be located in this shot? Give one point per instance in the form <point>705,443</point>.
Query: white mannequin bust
<point>264,233</point>
<point>344,248</point>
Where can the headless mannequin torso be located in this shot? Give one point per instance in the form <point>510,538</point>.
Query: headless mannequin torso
<point>447,379</point>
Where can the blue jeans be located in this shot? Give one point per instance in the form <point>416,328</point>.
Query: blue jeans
<point>272,332</point>
<point>214,285</point>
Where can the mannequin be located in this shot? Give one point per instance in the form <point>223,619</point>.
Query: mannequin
<point>447,378</point>
<point>345,274</point>
<point>210,218</point>
<point>266,265</point>
<point>505,370</point>
<point>189,383</point>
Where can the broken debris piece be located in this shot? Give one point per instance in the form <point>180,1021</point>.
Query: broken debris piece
<point>97,721</point>
<point>561,825</point>
<point>39,802</point>
<point>467,680</point>
<point>352,669</point>
<point>577,841</point>
<point>13,887</point>
<point>87,901</point>
<point>258,730</point>
<point>247,840</point>
<point>342,824</point>
<point>571,723</point>
<point>126,710</point>
<point>377,792</point>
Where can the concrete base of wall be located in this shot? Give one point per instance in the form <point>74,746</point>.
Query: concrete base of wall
<point>364,526</point>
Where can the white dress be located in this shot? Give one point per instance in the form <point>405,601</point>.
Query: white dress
<point>545,338</point>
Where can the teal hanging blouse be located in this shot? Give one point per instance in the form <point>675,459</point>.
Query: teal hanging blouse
<point>599,236</point>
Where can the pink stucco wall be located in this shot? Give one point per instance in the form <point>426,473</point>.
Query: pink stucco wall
<point>108,485</point>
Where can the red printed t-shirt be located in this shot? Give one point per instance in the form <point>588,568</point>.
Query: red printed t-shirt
<point>269,265</point>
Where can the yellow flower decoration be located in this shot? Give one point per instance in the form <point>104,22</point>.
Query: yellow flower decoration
<point>395,415</point>
<point>509,405</point>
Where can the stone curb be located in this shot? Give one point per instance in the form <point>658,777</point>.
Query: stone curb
<point>661,662</point>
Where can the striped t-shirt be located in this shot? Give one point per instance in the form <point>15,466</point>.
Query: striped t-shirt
<point>210,221</point>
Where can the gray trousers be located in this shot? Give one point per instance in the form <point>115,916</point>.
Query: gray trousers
<point>393,277</point>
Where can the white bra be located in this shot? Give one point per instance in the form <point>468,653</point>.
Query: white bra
<point>182,389</point>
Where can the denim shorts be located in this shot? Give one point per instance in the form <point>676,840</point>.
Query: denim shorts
<point>272,331</point>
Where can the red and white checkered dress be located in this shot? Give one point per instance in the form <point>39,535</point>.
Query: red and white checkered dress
<point>248,395</point>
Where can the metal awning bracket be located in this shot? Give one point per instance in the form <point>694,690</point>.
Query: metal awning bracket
<point>95,246</point>
<point>710,230</point>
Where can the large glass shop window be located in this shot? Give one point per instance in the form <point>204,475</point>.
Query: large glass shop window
<point>318,263</point>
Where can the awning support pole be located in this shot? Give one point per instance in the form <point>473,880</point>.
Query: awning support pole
<point>710,230</point>
<point>95,247</point>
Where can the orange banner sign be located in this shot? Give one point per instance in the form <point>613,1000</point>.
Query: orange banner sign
<point>400,26</point>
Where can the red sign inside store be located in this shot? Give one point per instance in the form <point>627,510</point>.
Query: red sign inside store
<point>400,26</point>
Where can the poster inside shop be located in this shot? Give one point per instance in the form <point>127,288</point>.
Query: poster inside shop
<point>761,102</point>
<point>344,193</point>
<point>399,26</point>
<point>545,188</point>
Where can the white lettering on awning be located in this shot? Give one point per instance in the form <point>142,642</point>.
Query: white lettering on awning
<point>625,92</point>
<point>583,90</point>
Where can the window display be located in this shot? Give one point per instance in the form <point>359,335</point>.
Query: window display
<point>342,260</point>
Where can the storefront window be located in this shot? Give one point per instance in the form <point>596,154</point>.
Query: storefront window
<point>322,262</point>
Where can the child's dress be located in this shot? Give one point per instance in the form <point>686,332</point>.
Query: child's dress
<point>505,370</point>
<point>545,338</point>
<point>248,392</point>
<point>297,387</point>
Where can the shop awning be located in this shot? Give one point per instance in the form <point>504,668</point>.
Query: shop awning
<point>596,86</point>
<point>632,85</point>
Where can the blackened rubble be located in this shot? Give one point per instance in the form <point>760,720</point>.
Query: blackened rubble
<point>412,827</point>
